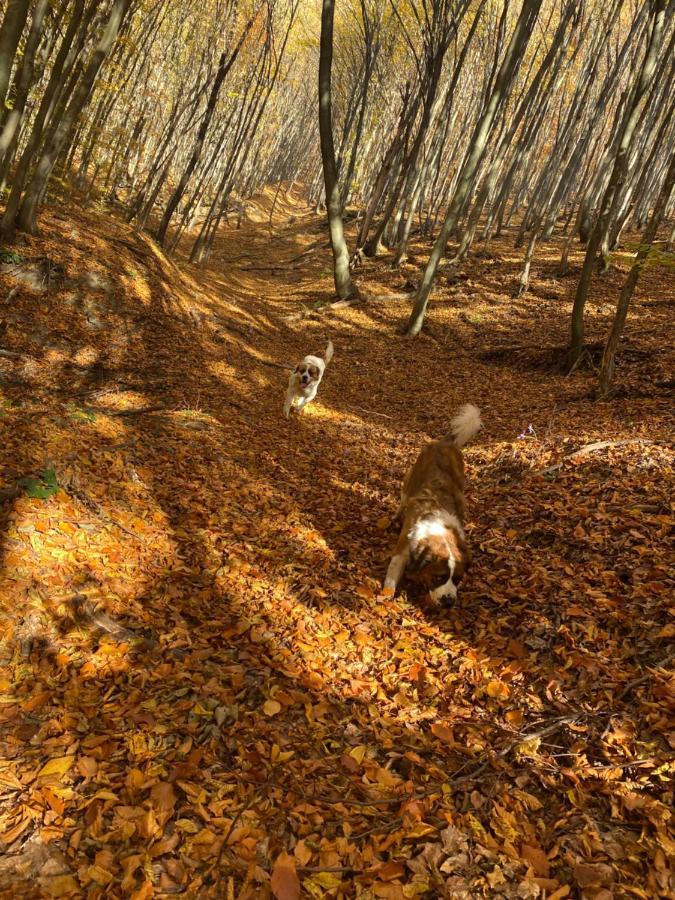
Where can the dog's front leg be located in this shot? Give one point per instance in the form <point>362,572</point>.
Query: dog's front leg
<point>288,402</point>
<point>397,565</point>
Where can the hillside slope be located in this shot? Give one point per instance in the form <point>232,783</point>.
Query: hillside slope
<point>199,675</point>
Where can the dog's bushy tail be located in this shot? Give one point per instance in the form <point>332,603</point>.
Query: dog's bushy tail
<point>328,352</point>
<point>465,424</point>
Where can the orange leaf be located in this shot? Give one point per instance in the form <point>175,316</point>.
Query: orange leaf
<point>87,766</point>
<point>302,853</point>
<point>59,886</point>
<point>497,690</point>
<point>163,797</point>
<point>285,882</point>
<point>443,732</point>
<point>390,870</point>
<point>537,859</point>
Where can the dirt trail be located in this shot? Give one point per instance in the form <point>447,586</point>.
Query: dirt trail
<point>199,674</point>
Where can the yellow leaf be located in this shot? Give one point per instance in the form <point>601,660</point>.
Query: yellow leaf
<point>57,766</point>
<point>421,830</point>
<point>327,880</point>
<point>358,753</point>
<point>272,707</point>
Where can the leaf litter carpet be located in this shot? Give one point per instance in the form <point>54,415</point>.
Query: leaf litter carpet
<point>202,691</point>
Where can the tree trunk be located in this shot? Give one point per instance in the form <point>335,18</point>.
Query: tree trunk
<point>10,35</point>
<point>479,139</point>
<point>224,66</point>
<point>70,45</point>
<point>617,178</point>
<point>23,81</point>
<point>343,281</point>
<point>614,336</point>
<point>27,216</point>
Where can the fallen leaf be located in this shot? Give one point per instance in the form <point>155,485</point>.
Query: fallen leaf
<point>285,882</point>
<point>537,859</point>
<point>59,765</point>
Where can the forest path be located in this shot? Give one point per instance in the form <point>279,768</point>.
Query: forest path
<point>199,675</point>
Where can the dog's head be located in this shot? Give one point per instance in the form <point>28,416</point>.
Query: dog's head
<point>307,372</point>
<point>439,557</point>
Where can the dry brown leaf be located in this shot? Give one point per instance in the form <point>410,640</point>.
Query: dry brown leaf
<point>285,882</point>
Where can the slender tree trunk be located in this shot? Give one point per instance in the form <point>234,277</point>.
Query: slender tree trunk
<point>224,67</point>
<point>614,336</point>
<point>70,46</point>
<point>27,217</point>
<point>10,35</point>
<point>23,81</point>
<point>343,281</point>
<point>617,178</point>
<point>479,139</point>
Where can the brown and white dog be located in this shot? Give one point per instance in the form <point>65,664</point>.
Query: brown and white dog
<point>305,379</point>
<point>432,546</point>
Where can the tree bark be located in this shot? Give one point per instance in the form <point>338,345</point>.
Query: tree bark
<point>343,281</point>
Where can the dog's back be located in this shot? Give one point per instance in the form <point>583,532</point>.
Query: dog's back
<point>438,472</point>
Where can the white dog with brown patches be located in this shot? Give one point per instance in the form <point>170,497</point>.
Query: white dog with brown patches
<point>305,380</point>
<point>432,544</point>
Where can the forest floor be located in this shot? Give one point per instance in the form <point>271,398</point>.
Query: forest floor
<point>202,690</point>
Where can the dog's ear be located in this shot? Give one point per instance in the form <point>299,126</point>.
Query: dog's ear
<point>462,562</point>
<point>432,550</point>
<point>420,556</point>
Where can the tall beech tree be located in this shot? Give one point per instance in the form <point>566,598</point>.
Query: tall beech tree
<point>343,281</point>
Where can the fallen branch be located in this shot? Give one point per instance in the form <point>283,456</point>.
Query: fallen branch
<point>369,412</point>
<point>374,298</point>
<point>641,680</point>
<point>592,448</point>
<point>276,365</point>
<point>134,412</point>
<point>95,507</point>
